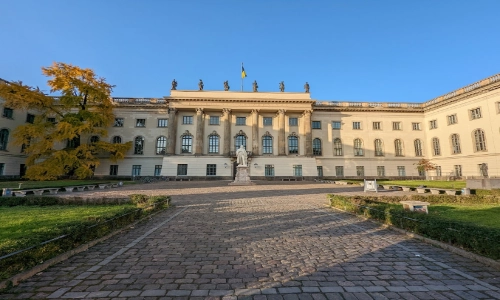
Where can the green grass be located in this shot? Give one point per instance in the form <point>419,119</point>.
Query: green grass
<point>46,184</point>
<point>479,214</point>
<point>24,226</point>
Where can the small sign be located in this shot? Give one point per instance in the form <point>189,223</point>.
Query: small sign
<point>371,185</point>
<point>7,192</point>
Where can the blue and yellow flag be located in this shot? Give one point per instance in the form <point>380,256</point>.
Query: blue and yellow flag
<point>243,73</point>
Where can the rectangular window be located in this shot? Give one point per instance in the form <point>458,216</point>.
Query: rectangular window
<point>438,171</point>
<point>2,168</point>
<point>162,122</point>
<point>316,124</point>
<point>396,125</point>
<point>320,171</point>
<point>336,125</point>
<point>136,170</point>
<point>377,126</point>
<point>241,121</point>
<point>297,170</point>
<point>356,125</point>
<point>118,122</point>
<point>51,120</point>
<point>380,171</point>
<point>30,118</point>
<point>8,113</point>
<point>268,121</point>
<point>475,113</point>
<point>269,170</point>
<point>401,171</point>
<point>415,126</point>
<point>433,124</point>
<point>187,120</point>
<point>140,123</point>
<point>452,119</point>
<point>458,170</point>
<point>211,169</point>
<point>339,171</point>
<point>182,169</point>
<point>113,170</point>
<point>214,120</point>
<point>293,121</point>
<point>360,171</point>
<point>157,170</point>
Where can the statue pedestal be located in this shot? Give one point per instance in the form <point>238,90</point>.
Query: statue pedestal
<point>242,177</point>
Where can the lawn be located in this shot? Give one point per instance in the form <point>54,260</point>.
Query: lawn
<point>428,183</point>
<point>46,184</point>
<point>480,214</point>
<point>24,226</point>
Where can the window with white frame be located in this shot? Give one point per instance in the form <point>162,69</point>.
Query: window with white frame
<point>140,123</point>
<point>415,126</point>
<point>267,121</point>
<point>458,170</point>
<point>398,147</point>
<point>433,124</point>
<point>455,144</point>
<point>320,171</point>
<point>436,148</point>
<point>267,144</point>
<point>316,124</point>
<point>377,126</point>
<point>356,125</point>
<point>118,122</point>
<point>187,144</point>
<point>161,145</point>
<point>116,140</point>
<point>479,140</point>
<point>240,140</point>
<point>139,145</point>
<point>187,120</point>
<point>136,170</point>
<point>452,119</point>
<point>269,170</point>
<point>336,125</point>
<point>475,113</point>
<point>438,171</point>
<point>401,171</point>
<point>339,171</point>
<point>396,125</point>
<point>157,170</point>
<point>360,171</point>
<point>213,143</point>
<point>214,120</point>
<point>297,170</point>
<point>182,169</point>
<point>380,171</point>
<point>316,147</point>
<point>337,147</point>
<point>211,169</point>
<point>241,121</point>
<point>162,122</point>
<point>358,147</point>
<point>378,147</point>
<point>293,121</point>
<point>293,145</point>
<point>418,147</point>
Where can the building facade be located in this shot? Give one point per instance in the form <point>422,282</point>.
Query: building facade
<point>194,135</point>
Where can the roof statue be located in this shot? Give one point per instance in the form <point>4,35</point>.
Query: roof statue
<point>306,87</point>
<point>282,86</point>
<point>255,86</point>
<point>226,85</point>
<point>200,85</point>
<point>174,85</point>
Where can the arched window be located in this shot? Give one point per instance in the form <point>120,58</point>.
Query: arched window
<point>73,143</point>
<point>240,140</point>
<point>398,147</point>
<point>358,147</point>
<point>455,144</point>
<point>213,143</point>
<point>161,145</point>
<point>337,147</point>
<point>116,140</point>
<point>267,143</point>
<point>293,144</point>
<point>479,140</point>
<point>4,138</point>
<point>378,148</point>
<point>94,139</point>
<point>187,143</point>
<point>139,145</point>
<point>316,146</point>
<point>418,147</point>
<point>436,148</point>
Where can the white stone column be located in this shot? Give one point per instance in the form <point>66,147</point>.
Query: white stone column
<point>226,121</point>
<point>199,132</point>
<point>281,132</point>
<point>255,132</point>
<point>307,132</point>
<point>171,131</point>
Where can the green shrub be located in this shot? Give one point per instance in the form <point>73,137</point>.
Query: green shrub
<point>478,239</point>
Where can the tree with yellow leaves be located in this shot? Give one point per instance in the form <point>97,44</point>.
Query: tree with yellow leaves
<point>66,136</point>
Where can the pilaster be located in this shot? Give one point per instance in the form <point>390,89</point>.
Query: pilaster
<point>281,132</point>
<point>226,121</point>
<point>255,132</point>
<point>199,132</point>
<point>171,131</point>
<point>308,133</point>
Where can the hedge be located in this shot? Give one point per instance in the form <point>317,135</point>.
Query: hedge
<point>81,233</point>
<point>473,238</point>
<point>54,200</point>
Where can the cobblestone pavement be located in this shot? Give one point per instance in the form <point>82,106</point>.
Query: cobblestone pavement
<point>269,241</point>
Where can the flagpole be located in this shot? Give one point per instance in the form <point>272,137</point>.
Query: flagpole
<point>242,77</point>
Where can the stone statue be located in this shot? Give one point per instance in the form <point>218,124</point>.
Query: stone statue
<point>306,87</point>
<point>174,85</point>
<point>200,85</point>
<point>255,86</point>
<point>241,156</point>
<point>226,85</point>
<point>484,169</point>
<point>282,86</point>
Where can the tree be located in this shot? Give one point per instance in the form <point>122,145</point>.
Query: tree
<point>425,165</point>
<point>55,141</point>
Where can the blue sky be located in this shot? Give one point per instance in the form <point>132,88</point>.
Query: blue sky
<point>394,51</point>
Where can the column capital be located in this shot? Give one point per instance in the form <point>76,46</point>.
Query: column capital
<point>199,111</point>
<point>255,111</point>
<point>281,111</point>
<point>307,112</point>
<point>226,111</point>
<point>172,110</point>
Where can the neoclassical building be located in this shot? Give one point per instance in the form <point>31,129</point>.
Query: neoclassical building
<point>194,135</point>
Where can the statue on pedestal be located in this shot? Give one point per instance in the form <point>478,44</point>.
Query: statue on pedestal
<point>241,156</point>
<point>226,85</point>
<point>200,85</point>
<point>306,87</point>
<point>282,86</point>
<point>174,85</point>
<point>255,86</point>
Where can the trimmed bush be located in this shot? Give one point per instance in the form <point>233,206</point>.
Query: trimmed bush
<point>481,240</point>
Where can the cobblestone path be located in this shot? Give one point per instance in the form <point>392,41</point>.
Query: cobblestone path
<point>269,241</point>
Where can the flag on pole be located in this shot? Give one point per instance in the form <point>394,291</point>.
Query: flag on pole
<point>243,73</point>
